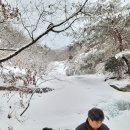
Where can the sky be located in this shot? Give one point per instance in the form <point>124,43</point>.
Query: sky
<point>58,41</point>
<point>54,41</point>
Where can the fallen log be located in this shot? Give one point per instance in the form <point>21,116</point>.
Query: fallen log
<point>123,89</point>
<point>25,89</point>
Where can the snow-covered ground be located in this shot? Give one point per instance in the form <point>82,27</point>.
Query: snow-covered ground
<point>67,105</point>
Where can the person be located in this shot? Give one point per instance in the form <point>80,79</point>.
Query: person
<point>94,121</point>
<point>46,128</point>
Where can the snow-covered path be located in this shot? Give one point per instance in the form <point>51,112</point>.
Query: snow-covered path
<point>67,106</point>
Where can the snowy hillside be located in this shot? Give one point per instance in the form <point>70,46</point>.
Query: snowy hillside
<point>67,105</point>
<point>41,87</point>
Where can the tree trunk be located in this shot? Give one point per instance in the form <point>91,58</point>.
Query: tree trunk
<point>127,63</point>
<point>121,49</point>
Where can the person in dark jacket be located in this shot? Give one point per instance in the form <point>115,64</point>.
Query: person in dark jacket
<point>94,121</point>
<point>46,128</point>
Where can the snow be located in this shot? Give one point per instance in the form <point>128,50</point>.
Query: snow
<point>66,106</point>
<point>83,56</point>
<point>119,83</point>
<point>123,53</point>
<point>15,70</point>
<point>56,68</point>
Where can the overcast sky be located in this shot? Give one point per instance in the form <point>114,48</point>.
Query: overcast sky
<point>55,41</point>
<point>58,41</point>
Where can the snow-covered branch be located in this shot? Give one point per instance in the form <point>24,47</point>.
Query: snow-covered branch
<point>51,28</point>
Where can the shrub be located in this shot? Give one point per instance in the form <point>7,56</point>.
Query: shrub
<point>114,65</point>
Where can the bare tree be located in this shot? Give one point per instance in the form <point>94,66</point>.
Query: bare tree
<point>52,27</point>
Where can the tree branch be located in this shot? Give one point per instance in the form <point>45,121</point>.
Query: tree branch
<point>7,50</point>
<point>26,29</point>
<point>58,31</point>
<point>43,34</point>
<point>74,14</point>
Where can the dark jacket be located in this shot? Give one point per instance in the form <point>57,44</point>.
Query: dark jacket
<point>85,126</point>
